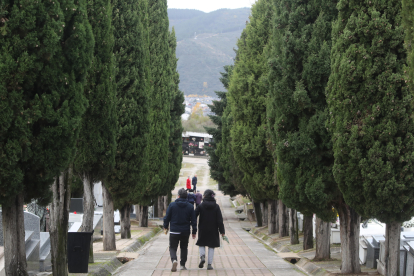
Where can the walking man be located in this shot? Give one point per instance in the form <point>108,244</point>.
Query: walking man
<point>198,198</point>
<point>180,215</point>
<point>210,225</point>
<point>194,182</point>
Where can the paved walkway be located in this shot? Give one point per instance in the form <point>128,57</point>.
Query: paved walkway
<point>244,255</point>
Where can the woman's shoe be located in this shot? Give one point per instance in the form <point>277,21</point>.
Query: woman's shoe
<point>203,260</point>
<point>209,267</point>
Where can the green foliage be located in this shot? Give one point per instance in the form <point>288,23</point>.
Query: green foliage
<point>408,23</point>
<point>45,52</point>
<point>247,99</point>
<point>300,68</point>
<point>96,146</point>
<point>222,163</point>
<point>175,155</point>
<point>231,170</point>
<point>216,169</point>
<point>132,103</point>
<point>200,60</point>
<point>160,100</point>
<point>197,122</point>
<point>370,110</point>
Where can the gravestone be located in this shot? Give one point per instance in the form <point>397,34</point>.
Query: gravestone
<point>409,269</point>
<point>362,250</point>
<point>76,205</point>
<point>31,223</point>
<point>373,247</point>
<point>32,239</point>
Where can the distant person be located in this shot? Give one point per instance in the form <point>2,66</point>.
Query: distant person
<point>210,224</point>
<point>191,197</point>
<point>180,215</point>
<point>194,180</point>
<point>199,197</point>
<point>188,183</point>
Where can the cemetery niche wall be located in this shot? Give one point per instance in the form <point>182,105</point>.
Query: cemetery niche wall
<point>194,144</point>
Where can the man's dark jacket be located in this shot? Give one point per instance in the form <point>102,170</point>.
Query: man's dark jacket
<point>180,215</point>
<point>194,181</point>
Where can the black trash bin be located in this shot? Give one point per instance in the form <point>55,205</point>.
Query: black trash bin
<point>78,251</point>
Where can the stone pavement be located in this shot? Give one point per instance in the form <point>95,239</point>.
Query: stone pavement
<point>245,255</point>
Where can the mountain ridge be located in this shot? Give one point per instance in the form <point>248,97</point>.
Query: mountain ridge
<point>205,43</point>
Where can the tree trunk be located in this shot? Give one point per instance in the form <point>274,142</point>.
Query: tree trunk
<point>294,235</point>
<point>137,212</point>
<point>109,243</point>
<point>125,221</point>
<point>155,208</point>
<point>143,218</point>
<point>88,210</point>
<point>166,203</point>
<point>323,241</point>
<point>283,220</point>
<point>271,224</point>
<point>277,215</point>
<point>392,248</point>
<point>160,206</point>
<point>13,233</point>
<point>307,232</point>
<point>349,231</point>
<point>59,221</point>
<point>169,196</point>
<point>258,213</point>
<point>264,212</point>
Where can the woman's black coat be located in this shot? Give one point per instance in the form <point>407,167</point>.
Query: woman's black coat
<point>210,223</point>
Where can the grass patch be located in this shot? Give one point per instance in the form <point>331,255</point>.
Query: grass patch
<point>201,171</point>
<point>246,200</point>
<point>187,165</point>
<point>212,182</point>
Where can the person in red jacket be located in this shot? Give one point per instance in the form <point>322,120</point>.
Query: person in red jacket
<point>188,183</point>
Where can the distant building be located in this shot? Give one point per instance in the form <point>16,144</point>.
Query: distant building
<point>194,143</point>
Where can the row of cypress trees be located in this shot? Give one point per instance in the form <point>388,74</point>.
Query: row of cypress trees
<point>318,115</point>
<point>89,91</point>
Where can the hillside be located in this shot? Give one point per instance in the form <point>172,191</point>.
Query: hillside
<point>205,43</point>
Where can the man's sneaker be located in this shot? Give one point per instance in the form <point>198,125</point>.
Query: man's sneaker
<point>174,266</point>
<point>203,260</point>
<point>183,267</point>
<point>209,267</point>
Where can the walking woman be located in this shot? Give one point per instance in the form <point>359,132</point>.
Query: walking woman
<point>210,226</point>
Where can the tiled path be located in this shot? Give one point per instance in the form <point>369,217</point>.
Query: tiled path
<point>243,256</point>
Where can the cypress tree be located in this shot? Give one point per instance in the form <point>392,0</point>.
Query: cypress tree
<point>231,170</point>
<point>132,109</point>
<point>247,100</point>
<point>408,23</point>
<point>44,56</point>
<point>300,68</point>
<point>216,169</point>
<point>225,169</point>
<point>177,108</point>
<point>370,116</point>
<point>157,184</point>
<point>96,146</point>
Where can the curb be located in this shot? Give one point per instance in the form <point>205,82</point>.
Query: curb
<point>310,268</point>
<point>108,268</point>
<point>142,240</point>
<point>111,266</point>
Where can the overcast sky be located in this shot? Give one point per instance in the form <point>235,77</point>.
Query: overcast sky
<point>209,5</point>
